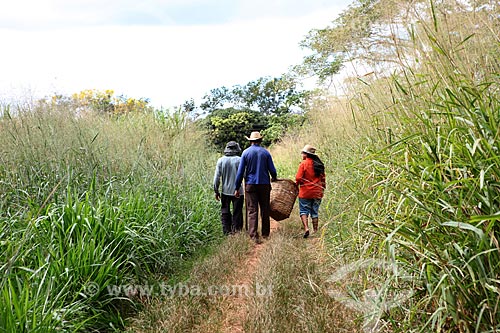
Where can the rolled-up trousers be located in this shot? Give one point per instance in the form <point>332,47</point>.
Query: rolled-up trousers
<point>258,196</point>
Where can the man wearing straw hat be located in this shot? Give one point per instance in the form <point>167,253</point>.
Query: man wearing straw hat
<point>257,167</point>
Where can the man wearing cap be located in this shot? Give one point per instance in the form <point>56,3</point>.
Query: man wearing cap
<point>257,167</point>
<point>226,169</point>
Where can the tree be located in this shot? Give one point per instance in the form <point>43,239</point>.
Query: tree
<point>218,98</point>
<point>279,125</point>
<point>366,31</point>
<point>93,100</point>
<point>270,96</point>
<point>232,124</point>
<point>266,104</point>
<point>381,33</point>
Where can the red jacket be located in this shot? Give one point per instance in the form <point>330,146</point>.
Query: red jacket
<point>310,185</point>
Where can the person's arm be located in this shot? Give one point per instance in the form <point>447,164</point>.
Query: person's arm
<point>272,169</point>
<point>239,175</point>
<point>299,176</point>
<point>216,182</point>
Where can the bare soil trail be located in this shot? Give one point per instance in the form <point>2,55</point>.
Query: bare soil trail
<point>278,263</point>
<point>236,314</point>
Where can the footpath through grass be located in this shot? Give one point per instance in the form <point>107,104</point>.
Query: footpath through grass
<point>281,285</point>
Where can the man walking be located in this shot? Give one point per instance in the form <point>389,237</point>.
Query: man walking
<point>226,169</point>
<point>257,167</point>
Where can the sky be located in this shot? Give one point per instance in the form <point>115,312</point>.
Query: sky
<point>167,51</point>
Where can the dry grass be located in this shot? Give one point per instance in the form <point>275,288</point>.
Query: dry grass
<point>194,313</point>
<point>296,270</point>
<point>287,279</point>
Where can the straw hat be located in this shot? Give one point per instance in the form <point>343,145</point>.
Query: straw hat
<point>254,136</point>
<point>308,149</point>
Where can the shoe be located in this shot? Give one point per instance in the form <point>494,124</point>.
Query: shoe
<point>258,241</point>
<point>306,234</point>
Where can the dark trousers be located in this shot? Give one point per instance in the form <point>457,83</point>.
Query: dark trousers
<point>231,221</point>
<point>258,196</point>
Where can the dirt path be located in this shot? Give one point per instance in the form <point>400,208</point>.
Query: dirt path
<point>235,317</point>
<point>229,312</point>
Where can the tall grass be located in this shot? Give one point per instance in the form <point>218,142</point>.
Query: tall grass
<point>412,162</point>
<point>89,202</point>
<point>435,183</point>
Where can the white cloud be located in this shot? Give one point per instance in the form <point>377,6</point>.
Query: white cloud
<point>50,14</point>
<point>168,64</point>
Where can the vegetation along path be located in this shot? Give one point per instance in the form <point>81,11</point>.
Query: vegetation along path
<point>280,285</point>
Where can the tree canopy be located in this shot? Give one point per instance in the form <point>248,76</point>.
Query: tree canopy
<point>270,96</point>
<point>269,105</point>
<point>375,31</point>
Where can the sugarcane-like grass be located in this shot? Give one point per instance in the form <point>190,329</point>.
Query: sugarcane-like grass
<point>91,205</point>
<point>433,177</point>
<point>412,162</point>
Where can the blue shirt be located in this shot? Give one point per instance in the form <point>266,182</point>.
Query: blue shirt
<point>256,165</point>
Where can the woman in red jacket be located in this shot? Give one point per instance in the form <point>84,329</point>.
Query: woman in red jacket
<point>312,182</point>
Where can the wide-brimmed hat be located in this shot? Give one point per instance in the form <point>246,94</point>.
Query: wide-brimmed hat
<point>308,149</point>
<point>254,136</point>
<point>232,147</point>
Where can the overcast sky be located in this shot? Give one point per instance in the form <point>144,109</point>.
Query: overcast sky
<point>165,50</point>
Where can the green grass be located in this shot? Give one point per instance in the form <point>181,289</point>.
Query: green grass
<point>429,174</point>
<point>96,201</point>
<point>412,160</point>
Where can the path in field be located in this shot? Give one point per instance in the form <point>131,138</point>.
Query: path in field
<point>236,316</point>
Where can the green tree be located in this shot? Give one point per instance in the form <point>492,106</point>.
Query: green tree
<point>229,124</point>
<point>270,96</point>
<point>368,31</point>
<point>218,98</point>
<point>279,125</point>
<point>267,104</point>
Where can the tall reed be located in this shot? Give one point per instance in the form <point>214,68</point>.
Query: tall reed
<point>412,171</point>
<point>340,137</point>
<point>435,183</point>
<point>90,203</point>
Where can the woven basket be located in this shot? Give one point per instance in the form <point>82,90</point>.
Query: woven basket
<point>283,195</point>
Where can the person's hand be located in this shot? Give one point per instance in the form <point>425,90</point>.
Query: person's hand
<point>217,196</point>
<point>274,179</point>
<point>237,193</point>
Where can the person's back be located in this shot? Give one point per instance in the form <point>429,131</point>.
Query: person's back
<point>225,171</point>
<point>311,180</point>
<point>225,174</point>
<point>257,167</point>
<point>258,164</point>
<point>311,186</point>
